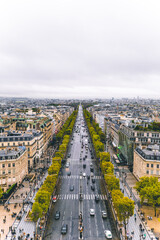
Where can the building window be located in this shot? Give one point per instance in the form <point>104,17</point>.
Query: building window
<point>157,172</point>
<point>152,172</point>
<point>147,164</point>
<point>9,171</point>
<point>13,164</point>
<point>147,171</point>
<point>8,144</point>
<point>3,165</point>
<point>13,144</point>
<point>3,172</point>
<point>157,165</point>
<point>9,165</point>
<point>151,165</point>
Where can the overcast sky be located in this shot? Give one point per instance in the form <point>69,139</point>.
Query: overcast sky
<point>80,48</point>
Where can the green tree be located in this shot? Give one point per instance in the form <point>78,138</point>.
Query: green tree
<point>107,167</point>
<point>112,182</point>
<point>36,212</point>
<point>1,192</point>
<point>63,148</point>
<point>43,198</point>
<point>145,182</point>
<point>152,194</point>
<point>124,209</point>
<point>95,137</point>
<point>116,194</point>
<point>54,168</point>
<point>105,156</point>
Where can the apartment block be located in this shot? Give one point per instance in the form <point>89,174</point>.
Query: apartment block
<point>146,161</point>
<point>13,166</point>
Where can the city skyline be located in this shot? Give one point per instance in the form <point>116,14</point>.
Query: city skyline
<point>79,49</point>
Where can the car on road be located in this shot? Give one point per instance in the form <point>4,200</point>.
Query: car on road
<point>93,180</point>
<point>91,169</point>
<point>84,165</point>
<point>64,229</point>
<point>92,187</point>
<point>54,199</point>
<point>104,214</point>
<point>108,234</point>
<point>91,164</point>
<point>67,165</point>
<point>92,174</point>
<point>96,198</point>
<point>71,187</point>
<point>57,215</point>
<point>88,177</point>
<point>92,212</point>
<point>84,174</point>
<point>69,173</point>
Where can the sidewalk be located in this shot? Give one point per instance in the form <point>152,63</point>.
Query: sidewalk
<point>127,184</point>
<point>20,226</point>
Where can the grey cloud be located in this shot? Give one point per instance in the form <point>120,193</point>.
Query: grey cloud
<point>78,48</point>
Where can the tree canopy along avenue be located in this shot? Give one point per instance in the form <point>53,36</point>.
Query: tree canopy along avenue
<point>81,206</point>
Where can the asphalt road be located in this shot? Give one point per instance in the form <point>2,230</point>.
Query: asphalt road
<point>68,202</point>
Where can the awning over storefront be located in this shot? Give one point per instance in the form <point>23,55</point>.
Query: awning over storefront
<point>114,145</point>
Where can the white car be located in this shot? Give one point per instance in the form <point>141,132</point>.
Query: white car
<point>84,174</point>
<point>92,212</point>
<point>104,214</point>
<point>67,165</point>
<point>108,234</point>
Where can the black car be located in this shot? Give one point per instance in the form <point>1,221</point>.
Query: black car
<point>96,198</point>
<point>93,180</point>
<point>84,165</point>
<point>64,229</point>
<point>92,187</point>
<point>71,188</point>
<point>91,169</point>
<point>69,174</point>
<point>57,215</point>
<point>88,177</point>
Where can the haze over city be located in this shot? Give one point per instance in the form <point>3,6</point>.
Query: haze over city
<point>76,49</point>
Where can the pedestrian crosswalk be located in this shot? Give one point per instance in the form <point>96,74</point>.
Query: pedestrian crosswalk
<point>76,196</point>
<point>78,177</point>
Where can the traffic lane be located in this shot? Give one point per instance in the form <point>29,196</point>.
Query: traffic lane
<point>71,219</point>
<point>103,224</point>
<point>54,226</point>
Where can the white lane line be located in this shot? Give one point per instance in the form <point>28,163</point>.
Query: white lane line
<point>70,226</point>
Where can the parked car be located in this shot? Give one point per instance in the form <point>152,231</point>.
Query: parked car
<point>92,212</point>
<point>54,199</point>
<point>57,215</point>
<point>64,229</point>
<point>84,174</point>
<point>108,234</point>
